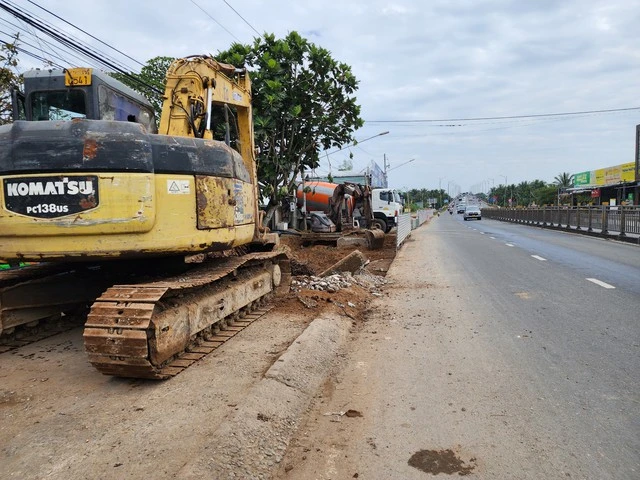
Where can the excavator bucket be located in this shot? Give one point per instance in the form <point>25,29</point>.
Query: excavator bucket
<point>375,239</point>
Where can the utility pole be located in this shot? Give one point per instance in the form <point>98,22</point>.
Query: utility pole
<point>386,166</point>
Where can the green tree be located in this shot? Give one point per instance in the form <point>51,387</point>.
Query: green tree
<point>8,78</point>
<point>149,82</point>
<point>423,195</point>
<point>546,195</point>
<point>564,180</point>
<point>303,102</point>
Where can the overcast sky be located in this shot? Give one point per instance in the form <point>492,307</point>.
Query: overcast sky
<point>423,60</point>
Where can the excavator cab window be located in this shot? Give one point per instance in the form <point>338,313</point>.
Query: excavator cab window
<point>224,125</point>
<point>58,105</point>
<point>17,104</point>
<point>115,106</point>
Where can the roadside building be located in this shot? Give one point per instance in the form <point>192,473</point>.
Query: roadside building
<point>615,185</point>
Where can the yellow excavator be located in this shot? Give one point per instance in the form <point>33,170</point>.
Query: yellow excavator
<point>159,232</point>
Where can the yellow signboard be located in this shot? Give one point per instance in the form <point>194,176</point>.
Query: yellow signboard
<point>628,172</point>
<point>76,77</point>
<point>607,176</point>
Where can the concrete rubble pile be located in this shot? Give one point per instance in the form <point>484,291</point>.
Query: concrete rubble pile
<point>338,281</point>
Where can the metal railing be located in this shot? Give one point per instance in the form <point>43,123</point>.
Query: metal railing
<point>622,221</point>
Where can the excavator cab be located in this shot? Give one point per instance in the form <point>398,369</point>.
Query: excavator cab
<point>80,93</point>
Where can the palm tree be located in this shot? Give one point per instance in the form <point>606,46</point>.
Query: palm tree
<point>564,180</point>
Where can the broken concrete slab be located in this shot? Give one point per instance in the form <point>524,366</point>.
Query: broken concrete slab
<point>351,263</point>
<point>352,241</point>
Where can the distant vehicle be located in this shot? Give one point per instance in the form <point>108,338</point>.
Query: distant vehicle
<point>461,207</point>
<point>472,211</point>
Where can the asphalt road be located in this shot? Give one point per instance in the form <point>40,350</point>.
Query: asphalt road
<point>584,314</point>
<point>515,348</point>
<point>583,311</point>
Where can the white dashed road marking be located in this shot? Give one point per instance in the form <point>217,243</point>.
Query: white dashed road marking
<point>538,257</point>
<point>509,244</point>
<point>600,282</point>
<point>492,238</point>
<point>481,233</point>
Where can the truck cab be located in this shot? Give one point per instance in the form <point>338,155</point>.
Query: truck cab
<point>387,205</point>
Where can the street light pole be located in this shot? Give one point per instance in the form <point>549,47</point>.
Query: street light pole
<point>356,142</point>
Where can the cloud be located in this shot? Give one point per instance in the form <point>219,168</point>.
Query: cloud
<point>432,60</point>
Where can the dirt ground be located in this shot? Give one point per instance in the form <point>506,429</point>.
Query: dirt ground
<point>316,258</point>
<point>311,260</point>
<point>60,419</point>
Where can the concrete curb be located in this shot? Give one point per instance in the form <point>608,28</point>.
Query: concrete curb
<point>255,437</point>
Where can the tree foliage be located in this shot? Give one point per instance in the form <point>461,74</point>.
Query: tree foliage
<point>416,196</point>
<point>8,78</point>
<point>525,194</point>
<point>303,102</point>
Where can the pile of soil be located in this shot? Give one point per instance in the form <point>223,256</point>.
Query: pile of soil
<point>313,259</point>
<point>352,301</point>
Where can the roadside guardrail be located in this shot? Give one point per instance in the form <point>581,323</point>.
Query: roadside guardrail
<point>621,222</point>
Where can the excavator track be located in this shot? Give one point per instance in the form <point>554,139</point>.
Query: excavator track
<point>155,330</point>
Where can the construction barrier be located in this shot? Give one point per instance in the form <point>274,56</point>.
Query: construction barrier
<point>404,228</point>
<point>410,221</point>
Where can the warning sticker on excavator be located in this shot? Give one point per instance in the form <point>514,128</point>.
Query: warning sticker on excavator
<point>178,187</point>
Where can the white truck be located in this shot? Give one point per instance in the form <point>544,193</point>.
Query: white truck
<point>387,205</point>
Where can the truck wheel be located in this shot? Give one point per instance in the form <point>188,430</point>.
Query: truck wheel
<point>380,223</point>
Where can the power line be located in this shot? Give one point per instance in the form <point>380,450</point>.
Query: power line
<point>31,45</point>
<point>243,19</point>
<point>62,38</point>
<point>33,55</point>
<point>209,15</point>
<point>24,33</point>
<point>86,33</point>
<point>97,56</point>
<point>509,117</point>
<point>28,33</point>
